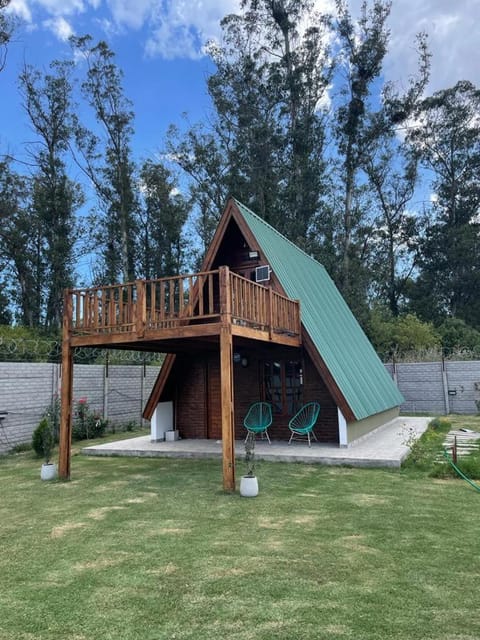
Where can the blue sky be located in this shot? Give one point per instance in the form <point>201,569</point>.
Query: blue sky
<point>159,47</point>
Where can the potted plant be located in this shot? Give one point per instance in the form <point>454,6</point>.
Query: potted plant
<point>43,442</point>
<point>249,482</point>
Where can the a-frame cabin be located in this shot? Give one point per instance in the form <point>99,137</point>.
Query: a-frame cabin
<point>261,321</point>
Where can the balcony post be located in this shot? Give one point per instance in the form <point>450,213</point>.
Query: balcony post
<point>141,315</point>
<point>66,391</point>
<point>226,381</point>
<point>270,312</point>
<point>298,318</point>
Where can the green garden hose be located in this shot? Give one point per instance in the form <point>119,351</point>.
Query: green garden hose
<point>460,473</point>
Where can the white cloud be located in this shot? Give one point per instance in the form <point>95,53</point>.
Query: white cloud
<point>24,9</point>
<point>180,28</point>
<point>61,7</point>
<point>131,14</point>
<point>21,9</point>
<point>60,27</point>
<point>453,30</point>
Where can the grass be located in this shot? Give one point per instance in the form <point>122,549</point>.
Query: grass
<point>426,453</point>
<point>152,549</point>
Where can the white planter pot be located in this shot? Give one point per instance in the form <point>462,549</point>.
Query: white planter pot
<point>48,471</point>
<point>248,486</point>
<point>171,436</point>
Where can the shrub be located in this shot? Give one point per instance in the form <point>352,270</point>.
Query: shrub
<point>402,335</point>
<point>425,449</point>
<point>86,423</point>
<point>42,440</point>
<point>468,465</point>
<point>21,447</point>
<point>440,425</point>
<point>52,413</point>
<point>457,335</point>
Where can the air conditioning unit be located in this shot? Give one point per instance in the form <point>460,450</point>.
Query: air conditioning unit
<point>262,274</point>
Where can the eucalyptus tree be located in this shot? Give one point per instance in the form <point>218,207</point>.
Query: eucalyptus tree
<point>393,175</point>
<point>264,143</point>
<point>55,198</point>
<point>299,38</point>
<point>202,158</point>
<point>362,45</point>
<point>21,248</point>
<point>164,213</point>
<point>106,158</point>
<point>6,28</point>
<point>375,173</point>
<point>446,136</point>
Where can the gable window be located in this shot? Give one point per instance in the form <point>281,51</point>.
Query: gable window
<point>283,385</point>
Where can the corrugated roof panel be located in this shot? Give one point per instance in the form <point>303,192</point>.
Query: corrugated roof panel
<point>344,347</point>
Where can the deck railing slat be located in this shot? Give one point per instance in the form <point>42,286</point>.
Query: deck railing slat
<point>169,302</point>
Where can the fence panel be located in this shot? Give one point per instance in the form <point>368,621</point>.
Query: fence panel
<point>27,389</point>
<point>422,387</point>
<point>119,392</point>
<point>463,386</point>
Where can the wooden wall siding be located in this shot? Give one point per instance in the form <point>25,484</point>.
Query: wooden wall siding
<point>315,389</point>
<point>234,252</point>
<point>194,385</point>
<point>248,389</point>
<point>214,411</point>
<point>187,389</point>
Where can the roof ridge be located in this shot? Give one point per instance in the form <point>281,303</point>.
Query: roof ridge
<point>297,248</point>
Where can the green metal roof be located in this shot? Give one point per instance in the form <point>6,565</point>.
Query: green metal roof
<point>358,371</point>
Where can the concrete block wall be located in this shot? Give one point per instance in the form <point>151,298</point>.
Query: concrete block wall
<point>127,390</point>
<point>463,386</point>
<point>118,392</point>
<point>25,392</point>
<point>431,387</point>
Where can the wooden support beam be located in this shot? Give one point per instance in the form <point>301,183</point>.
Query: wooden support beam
<point>141,319</point>
<point>66,393</point>
<point>226,398</point>
<point>270,312</point>
<point>226,383</point>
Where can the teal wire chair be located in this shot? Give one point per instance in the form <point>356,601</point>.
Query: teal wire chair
<point>258,419</point>
<point>302,423</point>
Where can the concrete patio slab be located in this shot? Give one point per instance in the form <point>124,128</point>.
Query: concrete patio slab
<point>384,447</point>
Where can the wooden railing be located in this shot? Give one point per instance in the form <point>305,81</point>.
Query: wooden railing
<point>165,303</point>
<point>152,304</point>
<point>172,301</point>
<point>104,309</point>
<point>255,305</point>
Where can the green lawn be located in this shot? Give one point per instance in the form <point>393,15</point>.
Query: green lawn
<point>153,549</point>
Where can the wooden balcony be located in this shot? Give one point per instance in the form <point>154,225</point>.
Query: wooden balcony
<point>210,310</point>
<point>143,313</point>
